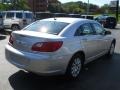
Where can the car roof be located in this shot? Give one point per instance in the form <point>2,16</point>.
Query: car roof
<point>74,14</point>
<point>87,15</point>
<point>59,13</point>
<point>18,11</point>
<point>65,19</point>
<point>42,12</point>
<point>105,16</point>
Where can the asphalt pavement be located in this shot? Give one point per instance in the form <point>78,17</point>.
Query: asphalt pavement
<point>101,74</point>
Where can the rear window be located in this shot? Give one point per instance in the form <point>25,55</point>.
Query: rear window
<point>51,27</point>
<point>111,18</point>
<point>19,15</point>
<point>10,15</point>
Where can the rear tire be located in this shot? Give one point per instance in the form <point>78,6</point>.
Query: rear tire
<point>74,67</point>
<point>15,27</point>
<point>113,27</point>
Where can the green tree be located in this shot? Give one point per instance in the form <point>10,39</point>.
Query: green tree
<point>55,7</point>
<point>78,7</point>
<point>72,7</point>
<point>23,5</point>
<point>2,6</point>
<point>20,5</point>
<point>105,8</point>
<point>5,6</point>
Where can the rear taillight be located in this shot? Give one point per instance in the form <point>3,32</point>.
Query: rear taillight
<point>47,46</point>
<point>11,40</point>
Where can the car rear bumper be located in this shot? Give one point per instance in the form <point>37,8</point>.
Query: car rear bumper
<point>7,26</point>
<point>37,63</point>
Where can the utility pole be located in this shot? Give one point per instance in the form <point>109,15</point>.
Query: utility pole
<point>88,6</point>
<point>14,4</point>
<point>33,1</point>
<point>117,10</point>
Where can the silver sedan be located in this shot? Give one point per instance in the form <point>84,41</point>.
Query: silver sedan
<point>59,46</point>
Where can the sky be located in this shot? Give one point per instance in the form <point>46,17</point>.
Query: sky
<point>97,2</point>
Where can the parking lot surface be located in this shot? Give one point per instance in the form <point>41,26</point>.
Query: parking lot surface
<point>101,74</point>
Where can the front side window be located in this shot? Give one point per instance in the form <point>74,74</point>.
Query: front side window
<point>10,15</point>
<point>98,28</point>
<point>51,27</point>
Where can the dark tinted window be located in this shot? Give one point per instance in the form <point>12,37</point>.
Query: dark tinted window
<point>29,15</point>
<point>78,31</point>
<point>1,16</point>
<point>19,15</point>
<point>10,15</point>
<point>82,16</point>
<point>87,17</point>
<point>51,27</point>
<point>111,19</point>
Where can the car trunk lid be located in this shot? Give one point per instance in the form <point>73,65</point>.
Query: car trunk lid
<point>24,40</point>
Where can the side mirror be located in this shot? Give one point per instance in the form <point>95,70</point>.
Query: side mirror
<point>107,32</point>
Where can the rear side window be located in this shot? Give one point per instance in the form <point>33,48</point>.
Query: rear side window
<point>29,15</point>
<point>51,27</point>
<point>84,29</point>
<point>19,15</point>
<point>10,15</point>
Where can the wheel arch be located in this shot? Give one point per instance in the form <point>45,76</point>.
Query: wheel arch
<point>81,53</point>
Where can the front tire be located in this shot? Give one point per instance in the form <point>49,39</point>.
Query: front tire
<point>74,67</point>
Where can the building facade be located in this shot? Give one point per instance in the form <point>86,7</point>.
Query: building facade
<point>35,5</point>
<point>40,5</point>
